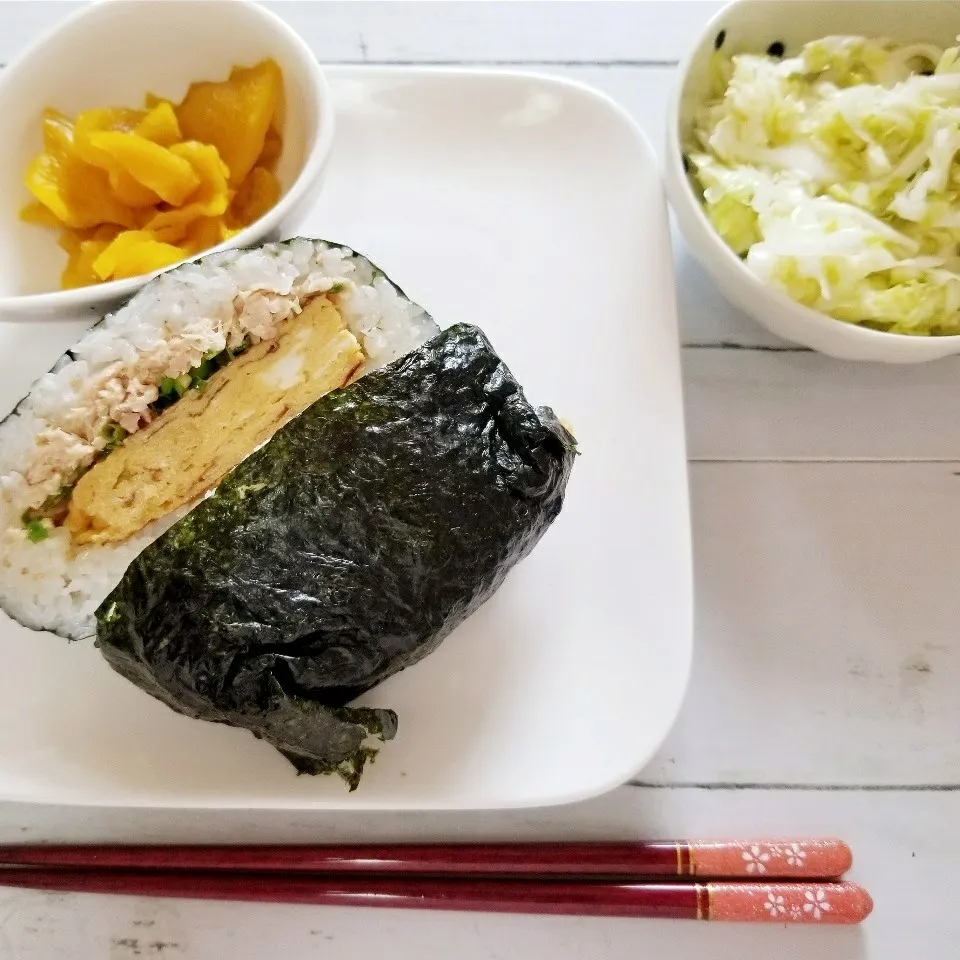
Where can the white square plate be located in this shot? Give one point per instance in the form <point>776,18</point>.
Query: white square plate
<point>533,208</point>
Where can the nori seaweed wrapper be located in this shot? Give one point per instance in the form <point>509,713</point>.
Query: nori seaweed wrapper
<point>343,551</point>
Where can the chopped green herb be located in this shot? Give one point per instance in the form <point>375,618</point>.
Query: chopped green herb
<point>54,508</point>
<point>114,434</point>
<point>171,389</point>
<point>201,372</point>
<point>337,288</point>
<point>37,530</point>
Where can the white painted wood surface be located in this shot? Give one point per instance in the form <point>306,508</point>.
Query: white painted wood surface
<point>826,507</point>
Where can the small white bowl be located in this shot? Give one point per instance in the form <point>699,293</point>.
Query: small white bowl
<point>751,26</point>
<point>111,53</point>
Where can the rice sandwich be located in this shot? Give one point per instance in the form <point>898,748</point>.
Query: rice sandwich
<point>267,484</point>
<point>162,398</point>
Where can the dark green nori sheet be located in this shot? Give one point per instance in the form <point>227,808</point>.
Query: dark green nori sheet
<point>343,551</point>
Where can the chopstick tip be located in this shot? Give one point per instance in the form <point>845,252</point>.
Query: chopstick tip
<point>807,903</point>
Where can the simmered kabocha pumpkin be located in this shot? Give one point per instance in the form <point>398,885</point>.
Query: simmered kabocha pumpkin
<point>234,116</point>
<point>136,190</point>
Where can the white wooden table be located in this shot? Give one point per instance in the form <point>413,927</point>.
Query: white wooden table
<point>824,699</point>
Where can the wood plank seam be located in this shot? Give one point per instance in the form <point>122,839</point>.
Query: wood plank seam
<point>807,787</point>
<point>825,460</point>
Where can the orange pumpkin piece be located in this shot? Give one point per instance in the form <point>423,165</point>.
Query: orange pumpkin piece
<point>128,190</point>
<point>146,258</point>
<point>211,197</point>
<point>79,269</point>
<point>97,121</point>
<point>257,194</point>
<point>57,132</point>
<point>205,233</point>
<point>83,248</point>
<point>272,147</point>
<point>76,194</point>
<point>234,115</point>
<point>160,125</point>
<point>135,195</point>
<point>40,215</point>
<point>167,175</point>
<point>134,252</point>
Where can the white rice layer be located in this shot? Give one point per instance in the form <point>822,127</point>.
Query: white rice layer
<point>195,307</point>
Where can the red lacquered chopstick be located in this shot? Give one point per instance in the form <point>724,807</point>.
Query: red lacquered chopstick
<point>754,859</point>
<point>746,902</point>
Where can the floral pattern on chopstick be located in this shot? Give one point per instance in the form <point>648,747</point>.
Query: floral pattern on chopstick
<point>756,858</point>
<point>827,902</point>
<point>815,904</point>
<point>780,858</point>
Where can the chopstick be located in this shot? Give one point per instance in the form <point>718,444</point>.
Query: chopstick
<point>833,903</point>
<point>823,858</point>
<point>762,878</point>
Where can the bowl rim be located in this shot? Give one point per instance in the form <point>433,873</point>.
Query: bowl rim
<point>682,193</point>
<point>32,305</point>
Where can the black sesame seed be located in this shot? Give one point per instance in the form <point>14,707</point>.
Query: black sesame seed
<point>776,49</point>
<point>686,163</point>
<point>718,42</point>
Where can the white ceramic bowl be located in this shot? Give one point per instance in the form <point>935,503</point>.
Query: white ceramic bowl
<point>111,53</point>
<point>751,26</point>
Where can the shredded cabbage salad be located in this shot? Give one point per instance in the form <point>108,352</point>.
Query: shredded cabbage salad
<point>835,175</point>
